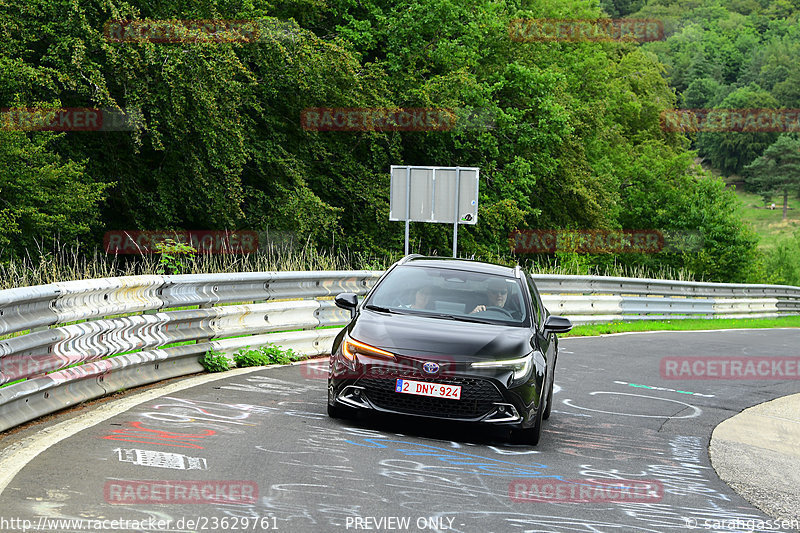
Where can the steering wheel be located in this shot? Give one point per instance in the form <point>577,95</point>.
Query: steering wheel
<point>501,309</point>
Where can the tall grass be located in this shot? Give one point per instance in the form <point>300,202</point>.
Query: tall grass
<point>616,270</point>
<point>69,262</point>
<point>64,263</point>
<point>570,263</point>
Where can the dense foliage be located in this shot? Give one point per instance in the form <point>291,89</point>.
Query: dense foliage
<point>777,170</point>
<point>724,54</point>
<point>574,140</point>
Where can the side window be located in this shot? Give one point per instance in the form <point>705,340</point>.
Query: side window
<point>536,302</point>
<point>542,310</point>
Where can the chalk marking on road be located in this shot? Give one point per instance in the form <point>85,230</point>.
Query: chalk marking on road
<point>160,459</point>
<point>696,411</point>
<point>571,414</point>
<point>653,387</point>
<point>19,454</point>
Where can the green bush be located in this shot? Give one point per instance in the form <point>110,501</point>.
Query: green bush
<point>263,356</point>
<point>176,257</point>
<point>214,361</point>
<point>782,263</point>
<point>245,357</point>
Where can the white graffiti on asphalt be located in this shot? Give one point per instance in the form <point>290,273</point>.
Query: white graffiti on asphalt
<point>695,411</point>
<point>159,459</point>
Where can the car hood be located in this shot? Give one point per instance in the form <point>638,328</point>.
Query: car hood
<point>417,335</point>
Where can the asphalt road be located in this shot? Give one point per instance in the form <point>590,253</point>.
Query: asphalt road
<point>275,461</point>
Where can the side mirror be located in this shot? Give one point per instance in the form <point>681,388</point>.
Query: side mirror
<point>557,324</point>
<point>347,300</point>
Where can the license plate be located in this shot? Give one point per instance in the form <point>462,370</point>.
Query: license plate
<point>435,390</point>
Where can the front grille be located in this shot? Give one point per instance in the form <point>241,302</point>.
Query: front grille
<point>477,396</point>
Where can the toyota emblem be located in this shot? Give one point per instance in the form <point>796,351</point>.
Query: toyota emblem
<point>430,368</point>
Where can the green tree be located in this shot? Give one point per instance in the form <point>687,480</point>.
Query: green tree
<point>782,263</point>
<point>701,93</point>
<point>665,191</point>
<point>42,195</point>
<point>731,151</point>
<point>777,171</point>
<point>220,143</point>
<point>621,8</point>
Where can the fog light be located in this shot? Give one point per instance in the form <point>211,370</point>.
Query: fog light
<point>503,413</point>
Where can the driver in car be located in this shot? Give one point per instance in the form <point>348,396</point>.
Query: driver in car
<point>496,296</point>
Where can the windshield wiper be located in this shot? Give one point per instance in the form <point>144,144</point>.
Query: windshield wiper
<point>382,309</point>
<point>444,316</point>
<point>473,319</point>
<point>459,318</point>
<point>436,315</point>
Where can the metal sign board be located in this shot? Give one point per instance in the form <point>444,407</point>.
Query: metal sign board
<point>431,194</point>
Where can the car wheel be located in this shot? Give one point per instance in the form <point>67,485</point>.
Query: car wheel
<point>549,403</point>
<point>340,411</point>
<point>529,435</point>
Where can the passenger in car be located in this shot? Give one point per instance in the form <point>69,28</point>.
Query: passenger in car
<point>496,295</point>
<point>423,298</point>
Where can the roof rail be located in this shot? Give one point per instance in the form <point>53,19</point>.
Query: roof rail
<point>518,272</point>
<point>408,258</point>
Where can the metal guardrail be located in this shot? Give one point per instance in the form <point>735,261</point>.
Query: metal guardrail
<point>596,299</point>
<point>83,328</point>
<point>67,332</point>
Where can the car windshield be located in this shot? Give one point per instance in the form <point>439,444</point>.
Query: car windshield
<point>451,294</point>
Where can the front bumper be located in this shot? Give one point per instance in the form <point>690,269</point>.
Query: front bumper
<point>481,397</point>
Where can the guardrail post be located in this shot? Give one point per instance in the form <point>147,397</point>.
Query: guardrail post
<point>207,339</point>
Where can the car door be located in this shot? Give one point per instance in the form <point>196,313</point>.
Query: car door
<point>547,342</point>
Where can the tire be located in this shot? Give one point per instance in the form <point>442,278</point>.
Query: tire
<point>340,411</point>
<point>549,401</point>
<point>547,409</point>
<point>529,435</point>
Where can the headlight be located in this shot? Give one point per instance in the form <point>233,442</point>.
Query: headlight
<point>521,366</point>
<point>351,347</point>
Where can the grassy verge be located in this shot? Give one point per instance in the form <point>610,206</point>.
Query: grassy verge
<point>769,223</point>
<point>589,330</point>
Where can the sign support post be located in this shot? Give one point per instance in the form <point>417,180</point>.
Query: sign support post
<point>455,221</point>
<point>408,206</point>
